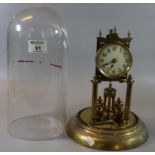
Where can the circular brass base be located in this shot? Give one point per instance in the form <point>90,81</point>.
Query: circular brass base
<point>103,138</point>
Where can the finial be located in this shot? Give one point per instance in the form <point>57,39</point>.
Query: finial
<point>129,34</point>
<point>115,30</point>
<point>100,33</point>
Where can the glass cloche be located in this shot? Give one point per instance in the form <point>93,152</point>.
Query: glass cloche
<point>37,43</point>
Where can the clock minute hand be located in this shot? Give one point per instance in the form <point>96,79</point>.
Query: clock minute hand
<point>113,62</point>
<point>111,66</point>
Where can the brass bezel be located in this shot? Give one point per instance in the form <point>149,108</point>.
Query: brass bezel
<point>129,64</point>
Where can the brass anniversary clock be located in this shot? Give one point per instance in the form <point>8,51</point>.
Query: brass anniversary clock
<point>109,124</point>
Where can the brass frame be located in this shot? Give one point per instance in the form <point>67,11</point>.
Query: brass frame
<point>108,124</point>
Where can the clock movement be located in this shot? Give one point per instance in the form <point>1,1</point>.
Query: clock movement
<point>109,124</point>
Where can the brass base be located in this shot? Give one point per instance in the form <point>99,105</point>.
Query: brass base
<point>98,137</point>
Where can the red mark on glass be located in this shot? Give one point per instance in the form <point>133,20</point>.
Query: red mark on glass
<point>25,61</point>
<point>58,66</point>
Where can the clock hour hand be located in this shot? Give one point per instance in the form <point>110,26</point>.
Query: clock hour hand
<point>106,64</point>
<point>114,60</point>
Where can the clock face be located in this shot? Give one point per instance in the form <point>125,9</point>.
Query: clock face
<point>114,60</point>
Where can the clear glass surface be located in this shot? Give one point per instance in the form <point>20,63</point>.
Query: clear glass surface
<point>37,41</point>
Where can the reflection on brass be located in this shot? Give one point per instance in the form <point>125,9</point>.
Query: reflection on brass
<point>109,124</point>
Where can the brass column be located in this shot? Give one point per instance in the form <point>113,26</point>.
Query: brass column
<point>94,98</point>
<point>128,98</point>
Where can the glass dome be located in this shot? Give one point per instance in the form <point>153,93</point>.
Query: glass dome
<point>37,41</point>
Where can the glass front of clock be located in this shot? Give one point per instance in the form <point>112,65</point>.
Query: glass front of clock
<point>113,60</point>
<point>37,41</point>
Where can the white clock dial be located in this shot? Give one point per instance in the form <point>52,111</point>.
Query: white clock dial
<point>113,60</point>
